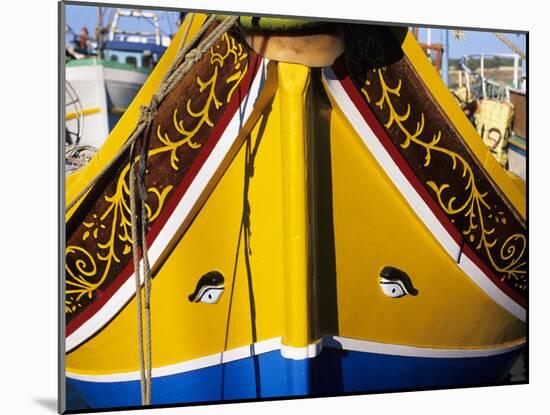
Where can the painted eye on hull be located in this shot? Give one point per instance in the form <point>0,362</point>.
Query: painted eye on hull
<point>392,289</point>
<point>396,283</point>
<point>211,295</point>
<point>209,288</point>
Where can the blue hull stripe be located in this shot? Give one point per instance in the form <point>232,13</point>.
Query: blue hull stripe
<point>517,149</point>
<point>268,375</point>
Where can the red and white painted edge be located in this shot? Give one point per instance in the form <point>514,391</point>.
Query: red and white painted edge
<point>182,210</point>
<point>346,96</point>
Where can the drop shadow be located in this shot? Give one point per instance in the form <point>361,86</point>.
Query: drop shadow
<point>48,403</point>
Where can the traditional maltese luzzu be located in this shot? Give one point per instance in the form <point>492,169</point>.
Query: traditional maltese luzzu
<point>310,213</point>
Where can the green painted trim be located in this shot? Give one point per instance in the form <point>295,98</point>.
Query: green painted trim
<point>106,64</point>
<point>273,23</point>
<point>518,142</point>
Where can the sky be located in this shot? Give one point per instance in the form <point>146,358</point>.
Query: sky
<point>79,16</point>
<point>475,41</point>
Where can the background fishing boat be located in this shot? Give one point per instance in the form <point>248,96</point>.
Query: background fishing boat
<point>102,80</point>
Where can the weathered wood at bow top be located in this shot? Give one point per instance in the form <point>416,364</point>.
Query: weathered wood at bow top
<point>98,234</point>
<point>437,154</point>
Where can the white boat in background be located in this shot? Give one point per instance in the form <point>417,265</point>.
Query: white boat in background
<point>100,87</point>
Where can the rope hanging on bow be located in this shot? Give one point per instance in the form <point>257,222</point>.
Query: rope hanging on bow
<point>139,224</point>
<point>138,192</point>
<point>177,72</point>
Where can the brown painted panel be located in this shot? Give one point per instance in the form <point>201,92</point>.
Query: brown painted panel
<point>99,242</point>
<point>438,155</point>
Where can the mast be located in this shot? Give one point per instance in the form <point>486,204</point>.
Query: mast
<point>445,53</point>
<point>99,32</point>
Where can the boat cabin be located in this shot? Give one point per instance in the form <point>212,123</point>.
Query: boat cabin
<point>139,55</point>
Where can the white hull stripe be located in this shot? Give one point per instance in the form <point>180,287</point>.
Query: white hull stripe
<point>180,213</point>
<point>412,197</point>
<point>478,276</point>
<point>301,353</point>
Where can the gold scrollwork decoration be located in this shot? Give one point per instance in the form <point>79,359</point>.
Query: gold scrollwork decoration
<point>508,260</point>
<point>202,115</point>
<point>111,229</point>
<point>79,279</point>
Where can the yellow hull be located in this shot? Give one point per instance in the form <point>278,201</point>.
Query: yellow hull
<point>300,225</point>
